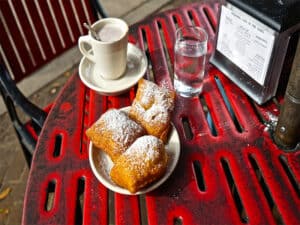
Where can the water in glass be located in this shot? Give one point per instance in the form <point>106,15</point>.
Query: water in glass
<point>189,67</point>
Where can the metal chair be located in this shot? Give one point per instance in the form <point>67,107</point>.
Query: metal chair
<point>32,34</point>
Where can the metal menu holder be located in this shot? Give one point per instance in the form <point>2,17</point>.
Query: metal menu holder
<point>256,44</point>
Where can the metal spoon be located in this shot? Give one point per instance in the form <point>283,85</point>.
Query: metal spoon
<point>93,32</point>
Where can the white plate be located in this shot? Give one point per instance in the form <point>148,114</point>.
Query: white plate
<point>101,165</point>
<point>136,68</point>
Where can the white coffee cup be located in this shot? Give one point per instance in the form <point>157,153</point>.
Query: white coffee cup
<point>109,54</point>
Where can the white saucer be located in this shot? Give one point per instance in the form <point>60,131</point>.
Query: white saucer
<point>136,68</point>
<point>101,164</point>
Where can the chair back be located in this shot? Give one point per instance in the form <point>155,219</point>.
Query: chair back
<point>32,34</point>
<point>35,32</point>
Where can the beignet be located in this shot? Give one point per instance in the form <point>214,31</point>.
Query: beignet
<point>114,132</point>
<point>152,108</point>
<point>144,162</point>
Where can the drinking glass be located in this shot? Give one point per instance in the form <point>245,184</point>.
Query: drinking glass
<point>189,66</point>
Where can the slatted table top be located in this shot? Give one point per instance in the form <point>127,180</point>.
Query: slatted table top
<point>229,170</point>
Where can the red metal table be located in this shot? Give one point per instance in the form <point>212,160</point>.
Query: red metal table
<point>229,171</point>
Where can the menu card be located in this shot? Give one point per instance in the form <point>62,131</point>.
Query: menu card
<point>246,42</point>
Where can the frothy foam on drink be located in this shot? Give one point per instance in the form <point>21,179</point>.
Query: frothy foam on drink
<point>110,32</point>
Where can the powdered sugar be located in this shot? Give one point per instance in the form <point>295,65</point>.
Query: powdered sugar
<point>145,153</point>
<point>146,146</point>
<point>153,94</point>
<point>155,103</point>
<point>155,114</point>
<point>148,94</point>
<point>119,124</point>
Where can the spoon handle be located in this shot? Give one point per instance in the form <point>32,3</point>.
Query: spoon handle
<point>93,32</point>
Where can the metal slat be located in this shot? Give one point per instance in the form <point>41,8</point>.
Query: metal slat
<point>70,21</point>
<point>35,32</point>
<point>9,45</point>
<point>127,210</point>
<point>89,16</point>
<point>221,115</point>
<point>50,20</point>
<point>41,37</point>
<point>27,34</point>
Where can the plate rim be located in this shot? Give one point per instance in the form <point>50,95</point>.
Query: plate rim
<point>113,92</point>
<point>145,190</point>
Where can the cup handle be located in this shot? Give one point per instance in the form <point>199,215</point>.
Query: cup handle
<point>82,41</point>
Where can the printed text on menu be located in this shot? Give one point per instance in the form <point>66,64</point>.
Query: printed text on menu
<point>245,41</point>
